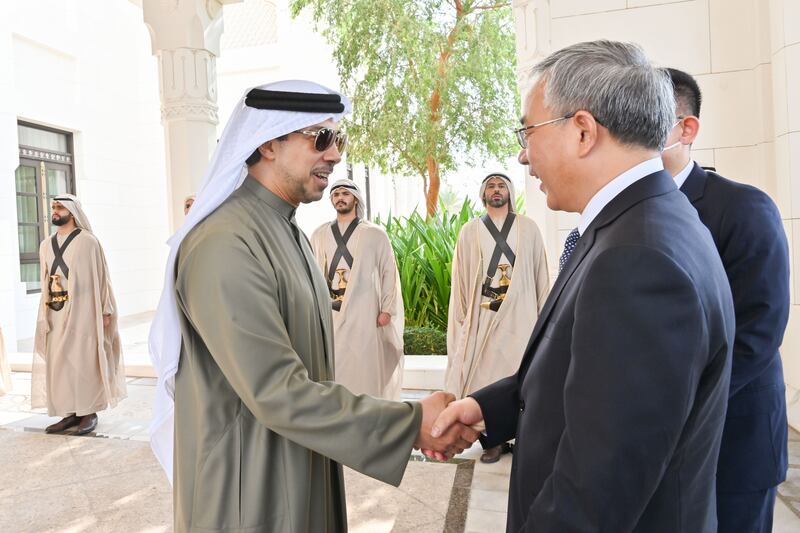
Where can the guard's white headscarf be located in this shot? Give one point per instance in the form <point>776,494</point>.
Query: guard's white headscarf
<point>247,129</point>
<point>512,195</point>
<point>73,205</point>
<point>353,189</point>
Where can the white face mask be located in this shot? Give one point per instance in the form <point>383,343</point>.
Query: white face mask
<point>673,145</point>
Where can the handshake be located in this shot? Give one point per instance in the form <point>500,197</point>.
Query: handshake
<point>448,426</point>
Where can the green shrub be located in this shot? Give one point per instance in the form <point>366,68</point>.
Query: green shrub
<point>423,250</point>
<point>424,341</point>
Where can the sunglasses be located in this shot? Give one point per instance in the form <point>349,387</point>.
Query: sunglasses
<point>325,137</point>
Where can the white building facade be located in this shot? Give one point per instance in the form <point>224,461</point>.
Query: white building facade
<point>79,113</point>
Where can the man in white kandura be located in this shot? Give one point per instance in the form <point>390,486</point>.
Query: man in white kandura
<point>357,260</point>
<point>77,357</point>
<point>499,285</point>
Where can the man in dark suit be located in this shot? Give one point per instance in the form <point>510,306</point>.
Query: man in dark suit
<point>618,405</point>
<point>747,230</point>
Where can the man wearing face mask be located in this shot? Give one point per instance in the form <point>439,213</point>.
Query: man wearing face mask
<point>747,230</point>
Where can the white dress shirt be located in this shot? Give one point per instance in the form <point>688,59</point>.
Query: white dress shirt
<point>616,186</point>
<point>681,176</point>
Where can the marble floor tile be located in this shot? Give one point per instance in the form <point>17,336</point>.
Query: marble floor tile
<point>43,509</point>
<point>502,467</point>
<point>479,521</point>
<point>98,457</point>
<point>34,462</point>
<point>791,487</point>
<point>488,500</point>
<point>794,453</point>
<point>7,418</point>
<point>786,520</point>
<point>419,504</point>
<point>119,499</point>
<point>489,481</point>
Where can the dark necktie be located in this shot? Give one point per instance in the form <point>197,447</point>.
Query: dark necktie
<point>569,246</point>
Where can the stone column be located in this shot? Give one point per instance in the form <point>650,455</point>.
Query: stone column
<point>185,37</point>
<point>785,57</point>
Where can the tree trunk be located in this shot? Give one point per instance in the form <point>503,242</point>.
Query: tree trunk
<point>432,192</point>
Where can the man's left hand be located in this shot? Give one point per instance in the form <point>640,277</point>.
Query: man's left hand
<point>106,320</point>
<point>384,319</point>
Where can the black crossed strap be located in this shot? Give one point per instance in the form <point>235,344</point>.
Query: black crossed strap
<point>59,253</point>
<point>501,246</point>
<point>341,247</point>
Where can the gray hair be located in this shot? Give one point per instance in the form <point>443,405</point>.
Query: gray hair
<point>617,84</point>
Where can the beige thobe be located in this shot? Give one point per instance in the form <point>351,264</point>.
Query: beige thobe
<point>483,345</point>
<point>369,358</point>
<point>5,369</point>
<point>260,427</point>
<point>77,363</point>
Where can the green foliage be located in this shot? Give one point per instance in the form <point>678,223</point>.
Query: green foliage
<point>428,78</point>
<point>424,254</point>
<point>424,250</point>
<point>424,341</point>
<point>519,203</point>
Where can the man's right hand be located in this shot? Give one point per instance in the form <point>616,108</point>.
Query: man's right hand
<point>464,413</point>
<point>448,442</point>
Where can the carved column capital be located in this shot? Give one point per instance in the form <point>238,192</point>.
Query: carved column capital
<point>532,27</point>
<point>190,23</point>
<point>188,85</point>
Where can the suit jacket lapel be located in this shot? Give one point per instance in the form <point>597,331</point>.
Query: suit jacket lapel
<point>581,248</point>
<point>652,185</point>
<point>695,184</point>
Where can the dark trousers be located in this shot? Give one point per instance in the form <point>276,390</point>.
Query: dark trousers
<point>746,512</point>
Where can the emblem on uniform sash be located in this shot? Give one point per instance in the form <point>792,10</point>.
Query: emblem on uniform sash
<point>338,293</point>
<point>498,294</point>
<point>58,296</point>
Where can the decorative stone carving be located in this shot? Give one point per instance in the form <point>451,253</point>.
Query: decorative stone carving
<point>33,153</point>
<point>185,37</point>
<point>532,26</point>
<point>188,84</point>
<point>189,112</point>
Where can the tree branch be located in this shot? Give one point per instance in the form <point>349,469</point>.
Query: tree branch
<point>496,6</point>
<point>410,160</point>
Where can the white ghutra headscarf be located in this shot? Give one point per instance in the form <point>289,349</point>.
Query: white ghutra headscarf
<point>247,129</point>
<point>351,186</point>
<point>73,205</point>
<point>512,195</point>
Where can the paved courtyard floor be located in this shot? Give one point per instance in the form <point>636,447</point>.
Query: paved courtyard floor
<point>109,481</point>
